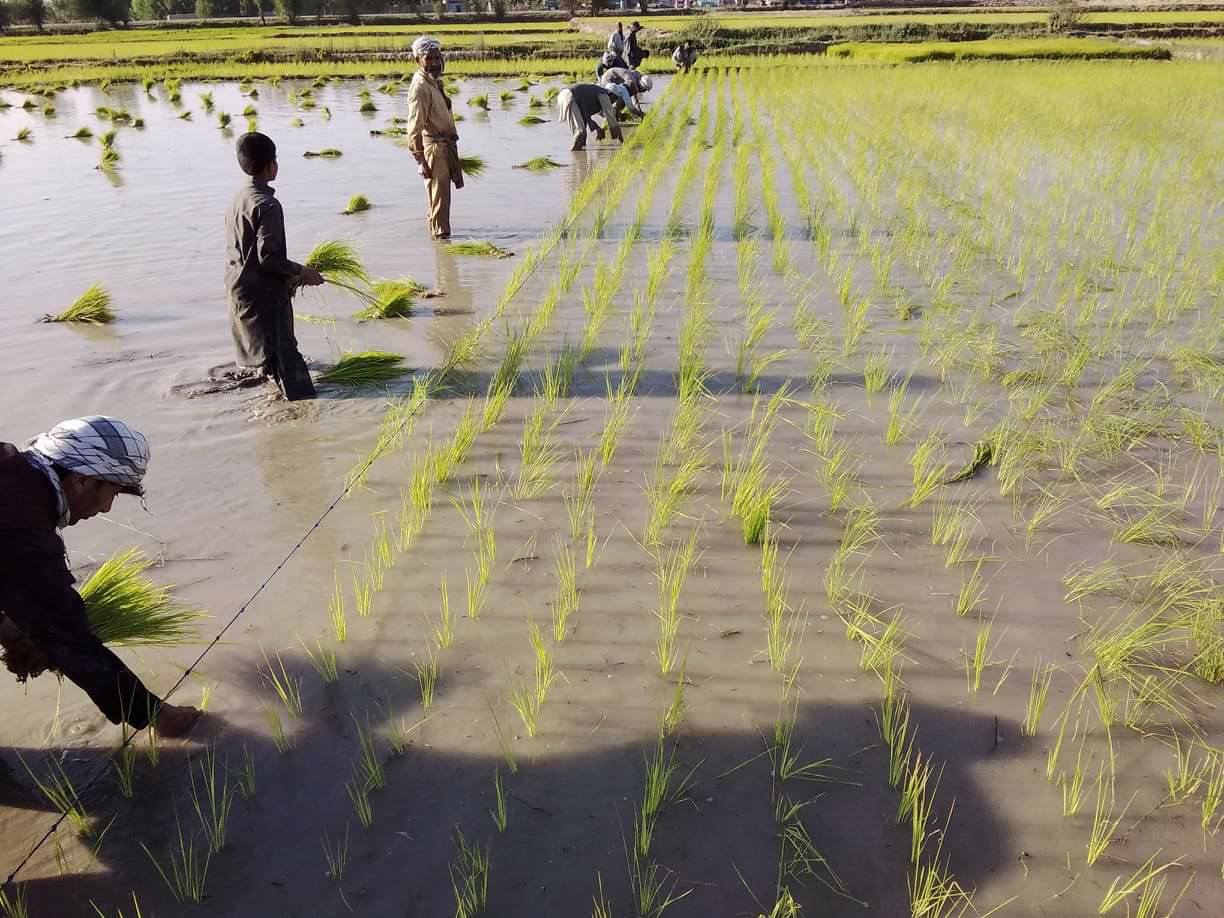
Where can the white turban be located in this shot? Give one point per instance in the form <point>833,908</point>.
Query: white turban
<point>424,45</point>
<point>94,446</point>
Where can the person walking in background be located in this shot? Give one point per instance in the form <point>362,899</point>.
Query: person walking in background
<point>260,278</point>
<point>577,105</point>
<point>616,41</point>
<point>432,138</point>
<point>70,473</point>
<point>684,57</point>
<point>634,53</point>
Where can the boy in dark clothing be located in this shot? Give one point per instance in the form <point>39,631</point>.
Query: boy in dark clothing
<point>259,276</point>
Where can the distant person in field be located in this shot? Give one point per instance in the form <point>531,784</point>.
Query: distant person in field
<point>432,137</point>
<point>70,473</point>
<point>634,53</point>
<point>610,61</point>
<point>577,107</point>
<point>616,41</point>
<point>260,277</point>
<point>684,57</point>
<point>635,84</point>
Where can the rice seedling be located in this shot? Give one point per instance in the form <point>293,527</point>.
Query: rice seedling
<point>370,765</point>
<point>335,611</point>
<point>213,799</point>
<point>469,878</point>
<point>93,307</point>
<point>206,100</point>
<point>284,742</point>
<point>23,135</point>
<point>359,795</point>
<point>480,101</point>
<point>1104,823</point>
<point>1146,878</point>
<point>893,722</point>
<point>223,120</point>
<point>246,775</point>
<point>539,455</point>
<point>671,569</point>
<point>900,421</point>
<point>673,717</point>
<point>1213,795</point>
<point>1039,691</point>
<point>915,801</point>
<point>297,123</point>
<point>444,631</point>
<point>82,133</point>
<point>527,698</point>
<point>565,599</point>
<point>326,153</point>
<point>929,473</point>
<point>363,592</point>
<point>13,901</point>
<point>186,871</point>
<point>323,659</point>
<point>364,369</point>
<point>781,620</point>
<point>58,788</point>
<point>478,247</point>
<point>971,592</point>
<point>1184,779</point>
<point>252,125</point>
<point>473,166</point>
<point>123,762</point>
<point>499,800</point>
<point>367,106</point>
<point>336,855</point>
<point>876,372</point>
<point>1073,786</point>
<point>663,785</point>
<point>287,688</point>
<point>427,677</point>
<point>529,120</point>
<point>358,203</point>
<point>185,116</point>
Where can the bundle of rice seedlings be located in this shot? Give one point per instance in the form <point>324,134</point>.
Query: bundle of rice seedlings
<point>252,125</point>
<point>91,307</point>
<point>82,134</point>
<point>356,204</point>
<point>297,122</point>
<point>223,120</point>
<point>29,105</point>
<point>529,120</point>
<point>110,156</point>
<point>250,112</point>
<point>368,106</point>
<point>507,96</point>
<point>49,110</point>
<point>539,164</point>
<point>481,102</point>
<point>329,153</point>
<point>536,102</point>
<point>23,135</point>
<point>472,166</point>
<point>551,93</point>
<point>185,116</point>
<point>337,261</point>
<point>107,138</point>
<point>125,607</point>
<point>392,298</point>
<point>206,99</point>
<point>367,368</point>
<point>138,123</point>
<point>478,247</point>
<point>148,83</point>
<point>457,116</point>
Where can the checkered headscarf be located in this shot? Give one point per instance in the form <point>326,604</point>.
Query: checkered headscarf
<point>95,446</point>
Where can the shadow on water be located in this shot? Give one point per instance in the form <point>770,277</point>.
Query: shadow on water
<point>569,815</point>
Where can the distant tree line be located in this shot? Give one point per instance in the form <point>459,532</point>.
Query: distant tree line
<point>120,12</point>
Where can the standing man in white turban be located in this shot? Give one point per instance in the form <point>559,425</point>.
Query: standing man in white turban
<point>70,473</point>
<point>432,137</point>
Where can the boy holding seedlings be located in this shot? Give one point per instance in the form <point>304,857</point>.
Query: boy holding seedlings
<point>260,278</point>
<point>70,473</point>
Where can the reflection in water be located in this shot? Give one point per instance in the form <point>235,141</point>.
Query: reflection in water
<point>454,309</point>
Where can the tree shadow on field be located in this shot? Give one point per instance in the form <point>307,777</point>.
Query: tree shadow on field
<point>570,816</point>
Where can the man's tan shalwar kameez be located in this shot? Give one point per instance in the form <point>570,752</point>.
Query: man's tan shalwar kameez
<point>433,140</point>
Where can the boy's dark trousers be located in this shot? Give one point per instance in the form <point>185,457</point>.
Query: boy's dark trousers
<point>266,329</point>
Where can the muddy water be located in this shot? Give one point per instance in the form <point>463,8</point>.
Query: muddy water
<point>571,803</point>
<point>235,479</point>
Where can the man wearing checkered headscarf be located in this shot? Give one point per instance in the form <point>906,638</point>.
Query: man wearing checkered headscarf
<point>67,474</point>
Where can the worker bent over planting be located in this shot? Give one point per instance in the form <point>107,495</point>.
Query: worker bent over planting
<point>260,278</point>
<point>432,137</point>
<point>68,474</point>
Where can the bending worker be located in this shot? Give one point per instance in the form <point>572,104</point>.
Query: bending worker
<point>432,137</point>
<point>633,82</point>
<point>577,105</point>
<point>68,474</point>
<point>685,56</point>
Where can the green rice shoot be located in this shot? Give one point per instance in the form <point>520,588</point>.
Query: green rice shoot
<point>337,261</point>
<point>392,298</point>
<point>480,247</point>
<point>539,164</point>
<point>357,204</point>
<point>529,120</point>
<point>367,368</point>
<point>326,153</point>
<point>472,166</point>
<point>93,307</point>
<point>126,608</point>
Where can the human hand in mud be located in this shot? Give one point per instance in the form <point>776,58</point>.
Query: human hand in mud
<point>174,721</point>
<point>20,657</point>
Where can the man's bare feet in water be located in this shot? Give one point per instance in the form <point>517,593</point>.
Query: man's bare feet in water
<point>176,721</point>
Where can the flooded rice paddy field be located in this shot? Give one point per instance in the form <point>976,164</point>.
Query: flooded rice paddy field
<point>827,522</point>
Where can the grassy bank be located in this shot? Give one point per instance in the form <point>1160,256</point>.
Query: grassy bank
<point>998,50</point>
